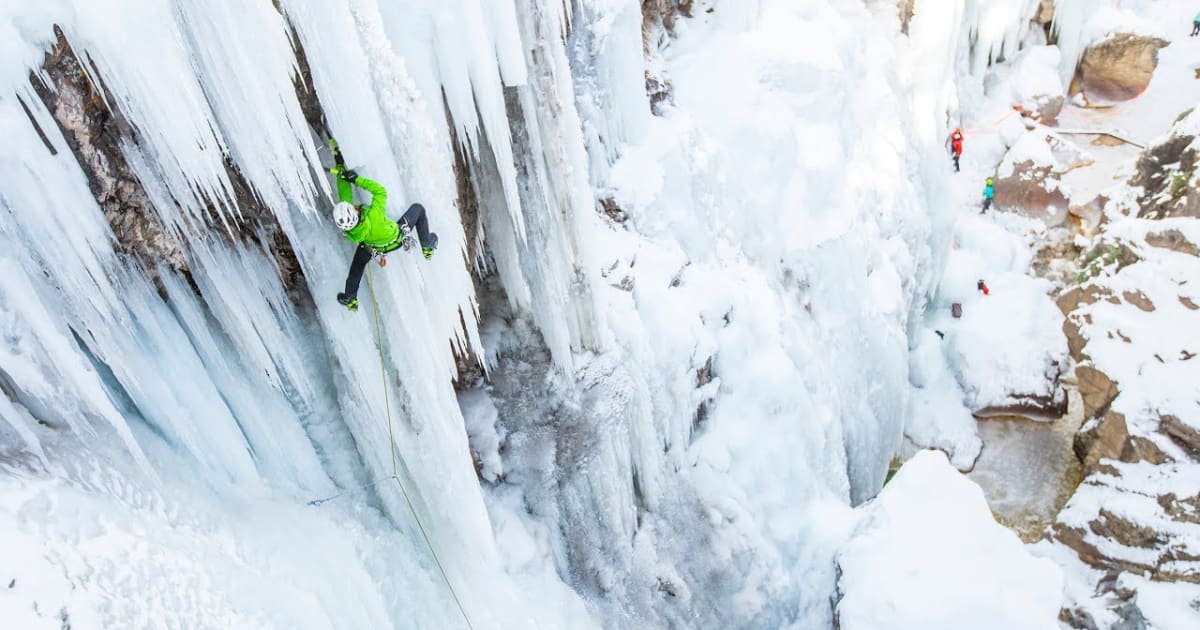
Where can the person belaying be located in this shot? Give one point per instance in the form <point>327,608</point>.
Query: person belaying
<point>956,146</point>
<point>988,193</point>
<point>369,226</point>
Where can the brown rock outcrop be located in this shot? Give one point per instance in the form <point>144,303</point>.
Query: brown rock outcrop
<point>1138,299</point>
<point>1183,434</point>
<point>1173,240</point>
<point>1165,173</point>
<point>905,7</point>
<point>1044,108</point>
<point>1097,389</point>
<point>1045,13</point>
<point>1118,68</point>
<point>1102,439</point>
<point>1124,526</point>
<point>1029,192</point>
<point>1068,303</point>
<point>95,129</point>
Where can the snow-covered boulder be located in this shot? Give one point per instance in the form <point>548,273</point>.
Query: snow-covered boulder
<point>1134,323</point>
<point>1005,347</point>
<point>927,554</point>
<point>1117,68</point>
<point>1087,217</point>
<point>1029,181</point>
<point>1031,83</point>
<point>1128,541</point>
<point>1142,518</point>
<point>1007,351</point>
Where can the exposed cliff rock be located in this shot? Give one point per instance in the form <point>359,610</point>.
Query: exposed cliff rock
<point>1118,68</point>
<point>96,132</point>
<point>1173,240</point>
<point>658,21</point>
<point>1029,179</point>
<point>1140,518</point>
<point>907,9</point>
<point>1166,173</point>
<point>100,137</point>
<point>1045,13</point>
<point>1097,389</point>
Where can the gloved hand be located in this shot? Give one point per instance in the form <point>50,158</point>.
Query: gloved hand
<point>348,175</point>
<point>337,154</point>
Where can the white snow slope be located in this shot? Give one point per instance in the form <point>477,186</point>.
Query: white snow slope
<point>927,554</point>
<point>163,433</point>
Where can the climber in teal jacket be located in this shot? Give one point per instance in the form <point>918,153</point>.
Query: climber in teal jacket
<point>369,226</point>
<point>1196,25</point>
<point>989,192</point>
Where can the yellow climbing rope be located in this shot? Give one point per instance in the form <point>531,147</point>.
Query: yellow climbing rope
<point>387,405</point>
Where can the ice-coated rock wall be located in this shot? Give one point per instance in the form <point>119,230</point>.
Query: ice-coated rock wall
<point>695,325</point>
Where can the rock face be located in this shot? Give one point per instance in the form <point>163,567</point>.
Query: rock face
<point>1029,179</point>
<point>1097,389</point>
<point>1031,190</point>
<point>1182,434</point>
<point>1118,68</point>
<point>94,131</point>
<point>1136,516</point>
<point>906,8</point>
<point>1045,12</point>
<point>98,133</point>
<point>1044,109</point>
<point>1140,518</point>
<point>1173,240</point>
<point>1166,173</point>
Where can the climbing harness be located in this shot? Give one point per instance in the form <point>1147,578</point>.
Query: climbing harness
<point>387,405</point>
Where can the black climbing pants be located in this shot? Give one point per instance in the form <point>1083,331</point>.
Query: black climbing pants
<point>362,256</point>
<point>1195,29</point>
<point>413,217</point>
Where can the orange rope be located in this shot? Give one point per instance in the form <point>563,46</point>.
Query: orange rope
<point>994,124</point>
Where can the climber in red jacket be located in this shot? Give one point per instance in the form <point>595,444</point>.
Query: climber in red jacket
<point>956,140</point>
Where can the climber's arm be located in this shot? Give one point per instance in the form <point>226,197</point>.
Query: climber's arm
<point>378,195</point>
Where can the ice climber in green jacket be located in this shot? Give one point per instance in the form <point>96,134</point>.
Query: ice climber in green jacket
<point>369,226</point>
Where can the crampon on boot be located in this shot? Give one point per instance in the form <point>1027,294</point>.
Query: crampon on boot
<point>350,303</point>
<point>427,250</point>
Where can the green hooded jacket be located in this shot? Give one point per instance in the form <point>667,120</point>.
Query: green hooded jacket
<point>374,229</point>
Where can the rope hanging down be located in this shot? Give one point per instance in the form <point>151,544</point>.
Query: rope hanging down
<point>387,405</point>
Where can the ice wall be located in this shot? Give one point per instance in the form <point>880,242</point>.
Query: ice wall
<point>772,237</point>
<point>259,389</point>
<point>726,371</point>
<point>996,29</point>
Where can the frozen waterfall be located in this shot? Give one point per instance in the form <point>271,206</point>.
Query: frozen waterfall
<point>655,361</point>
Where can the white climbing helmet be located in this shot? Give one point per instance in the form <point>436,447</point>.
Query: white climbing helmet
<point>345,215</point>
